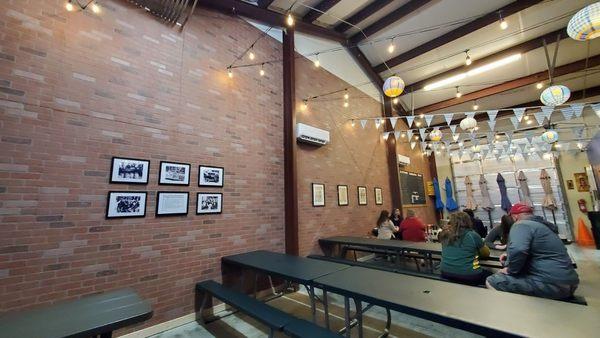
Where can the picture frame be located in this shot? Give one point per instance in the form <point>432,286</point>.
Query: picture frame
<point>378,196</point>
<point>129,170</point>
<point>362,195</point>
<point>570,185</point>
<point>342,195</point>
<point>126,204</point>
<point>318,195</point>
<point>209,203</point>
<point>172,203</point>
<point>209,176</point>
<point>174,173</point>
<point>582,182</point>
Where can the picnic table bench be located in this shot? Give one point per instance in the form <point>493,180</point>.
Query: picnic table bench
<point>89,316</point>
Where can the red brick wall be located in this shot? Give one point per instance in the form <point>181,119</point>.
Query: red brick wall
<point>77,89</point>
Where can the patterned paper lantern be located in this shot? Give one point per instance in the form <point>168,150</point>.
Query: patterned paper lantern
<point>550,136</point>
<point>435,135</point>
<point>555,95</point>
<point>393,86</point>
<point>468,124</point>
<point>585,25</point>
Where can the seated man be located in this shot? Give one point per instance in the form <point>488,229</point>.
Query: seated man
<point>536,262</point>
<point>411,228</point>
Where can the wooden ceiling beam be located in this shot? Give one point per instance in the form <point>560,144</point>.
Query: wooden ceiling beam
<point>459,32</point>
<point>512,84</point>
<point>389,19</point>
<point>322,7</point>
<point>361,15</point>
<point>236,7</point>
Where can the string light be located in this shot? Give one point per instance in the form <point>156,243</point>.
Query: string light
<point>229,72</point>
<point>403,135</point>
<point>316,62</point>
<point>290,20</point>
<point>391,47</point>
<point>539,85</point>
<point>251,55</point>
<point>395,100</point>
<point>95,8</point>
<point>468,60</point>
<point>262,71</point>
<point>421,115</point>
<point>346,104</point>
<point>69,6</point>
<point>305,105</point>
<point>346,95</point>
<point>458,93</point>
<point>503,23</point>
<point>475,105</point>
<point>353,123</point>
<point>418,123</point>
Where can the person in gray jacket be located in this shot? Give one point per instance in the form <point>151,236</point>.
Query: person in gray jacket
<point>536,262</point>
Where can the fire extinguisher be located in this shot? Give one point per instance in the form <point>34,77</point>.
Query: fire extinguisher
<point>582,205</point>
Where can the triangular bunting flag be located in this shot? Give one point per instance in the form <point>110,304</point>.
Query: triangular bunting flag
<point>448,117</point>
<point>577,109</point>
<point>539,117</point>
<point>596,108</point>
<point>422,133</point>
<point>412,145</point>
<point>428,119</point>
<point>515,122</point>
<point>509,134</point>
<point>409,134</point>
<point>567,112</point>
<point>409,121</point>
<point>492,114</point>
<point>519,112</point>
<point>423,146</point>
<point>397,134</point>
<point>525,156</point>
<point>456,136</point>
<point>547,111</point>
<point>578,132</point>
<point>484,153</point>
<point>363,123</point>
<point>393,121</point>
<point>529,136</point>
<point>471,114</point>
<point>492,124</point>
<point>453,128</point>
<point>522,147</point>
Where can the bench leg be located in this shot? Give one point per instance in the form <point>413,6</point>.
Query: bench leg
<point>347,316</point>
<point>271,333</point>
<point>106,335</point>
<point>255,283</point>
<point>388,324</point>
<point>200,313</point>
<point>326,309</point>
<point>313,303</point>
<point>359,317</point>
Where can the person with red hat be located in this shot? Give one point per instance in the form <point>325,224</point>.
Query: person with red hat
<point>536,261</point>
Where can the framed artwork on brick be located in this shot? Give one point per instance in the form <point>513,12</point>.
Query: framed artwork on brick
<point>378,196</point>
<point>318,195</point>
<point>342,195</point>
<point>129,170</point>
<point>126,204</point>
<point>210,176</point>
<point>209,203</point>
<point>362,195</point>
<point>170,203</point>
<point>173,173</point>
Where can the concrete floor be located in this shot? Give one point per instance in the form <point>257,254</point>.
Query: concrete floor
<point>239,325</point>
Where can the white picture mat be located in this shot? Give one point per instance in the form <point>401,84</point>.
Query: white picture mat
<point>167,177</point>
<point>318,191</point>
<point>378,196</point>
<point>113,204</point>
<point>119,163</point>
<point>172,203</point>
<point>362,195</point>
<point>343,195</point>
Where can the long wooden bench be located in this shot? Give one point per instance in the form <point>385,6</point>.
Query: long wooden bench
<point>273,318</point>
<point>89,316</point>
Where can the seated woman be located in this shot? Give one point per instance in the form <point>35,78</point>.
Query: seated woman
<point>396,218</point>
<point>385,227</point>
<point>499,233</point>
<point>461,249</point>
<point>411,228</point>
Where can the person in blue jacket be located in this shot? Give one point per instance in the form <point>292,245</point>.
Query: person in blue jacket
<point>536,262</point>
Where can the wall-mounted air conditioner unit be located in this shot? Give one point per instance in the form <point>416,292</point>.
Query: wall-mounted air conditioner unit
<point>403,160</point>
<point>311,135</point>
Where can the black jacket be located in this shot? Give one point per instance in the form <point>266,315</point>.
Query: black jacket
<point>479,227</point>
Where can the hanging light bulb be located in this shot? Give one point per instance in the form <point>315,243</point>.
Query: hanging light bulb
<point>395,100</point>
<point>539,85</point>
<point>251,55</point>
<point>458,93</point>
<point>468,60</point>
<point>69,6</point>
<point>289,20</point>
<point>95,8</point>
<point>503,23</point>
<point>304,106</point>
<point>316,62</point>
<point>262,71</point>
<point>229,72</point>
<point>353,123</point>
<point>418,123</point>
<point>346,95</point>
<point>391,47</point>
<point>421,115</point>
<point>475,105</point>
<point>346,104</point>
<point>403,135</point>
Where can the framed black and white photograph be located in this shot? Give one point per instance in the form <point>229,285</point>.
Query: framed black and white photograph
<point>342,195</point>
<point>129,170</point>
<point>172,203</point>
<point>378,196</point>
<point>126,204</point>
<point>210,176</point>
<point>174,173</point>
<point>209,203</point>
<point>318,195</point>
<point>362,195</point>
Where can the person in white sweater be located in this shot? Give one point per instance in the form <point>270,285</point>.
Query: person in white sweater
<point>386,227</point>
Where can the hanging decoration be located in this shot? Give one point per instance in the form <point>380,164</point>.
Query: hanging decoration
<point>492,124</point>
<point>393,121</point>
<point>504,201</point>
<point>519,112</point>
<point>468,124</point>
<point>550,136</point>
<point>585,24</point>
<point>393,86</point>
<point>448,117</point>
<point>470,203</point>
<point>428,119</point>
<point>492,114</point>
<point>439,205</point>
<point>555,95</point>
<point>450,202</point>
<point>435,135</point>
<point>410,120</point>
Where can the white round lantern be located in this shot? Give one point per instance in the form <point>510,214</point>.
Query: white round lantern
<point>393,86</point>
<point>585,24</point>
<point>555,95</point>
<point>550,136</point>
<point>468,124</point>
<point>435,135</point>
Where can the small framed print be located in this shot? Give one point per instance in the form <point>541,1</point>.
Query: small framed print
<point>342,195</point>
<point>362,195</point>
<point>172,203</point>
<point>210,176</point>
<point>570,185</point>
<point>129,170</point>
<point>126,204</point>
<point>378,196</point>
<point>174,173</point>
<point>318,195</point>
<point>583,184</point>
<point>209,203</point>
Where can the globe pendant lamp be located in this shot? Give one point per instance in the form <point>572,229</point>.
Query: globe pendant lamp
<point>435,135</point>
<point>393,86</point>
<point>585,24</point>
<point>550,136</point>
<point>468,124</point>
<point>555,95</point>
